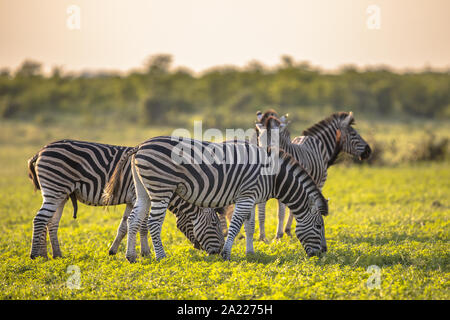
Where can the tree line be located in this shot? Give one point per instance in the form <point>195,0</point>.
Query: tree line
<point>160,93</point>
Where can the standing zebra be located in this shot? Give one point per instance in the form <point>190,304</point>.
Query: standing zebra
<point>316,151</point>
<point>227,211</point>
<point>215,175</point>
<point>80,170</point>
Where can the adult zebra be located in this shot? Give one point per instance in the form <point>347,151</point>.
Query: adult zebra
<point>79,170</point>
<point>227,211</point>
<point>316,151</point>
<point>215,175</point>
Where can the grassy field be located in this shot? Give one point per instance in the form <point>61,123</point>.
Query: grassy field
<point>396,218</point>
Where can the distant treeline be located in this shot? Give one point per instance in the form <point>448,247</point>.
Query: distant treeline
<point>160,93</point>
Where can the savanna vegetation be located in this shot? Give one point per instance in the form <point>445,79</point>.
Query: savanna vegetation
<point>159,92</point>
<point>392,211</point>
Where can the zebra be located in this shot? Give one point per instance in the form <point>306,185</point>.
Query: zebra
<point>228,210</point>
<point>239,173</point>
<point>79,170</point>
<point>316,150</point>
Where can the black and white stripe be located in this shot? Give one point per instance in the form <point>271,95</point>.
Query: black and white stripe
<point>79,170</point>
<point>316,151</point>
<point>244,181</point>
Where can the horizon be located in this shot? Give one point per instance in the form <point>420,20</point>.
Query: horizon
<point>47,70</point>
<point>202,34</point>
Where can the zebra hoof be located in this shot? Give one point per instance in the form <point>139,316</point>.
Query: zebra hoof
<point>279,236</point>
<point>57,255</point>
<point>131,258</point>
<point>159,258</point>
<point>40,253</point>
<point>226,255</point>
<point>197,245</point>
<point>288,232</point>
<point>145,253</point>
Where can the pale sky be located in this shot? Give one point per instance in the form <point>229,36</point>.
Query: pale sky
<point>120,35</point>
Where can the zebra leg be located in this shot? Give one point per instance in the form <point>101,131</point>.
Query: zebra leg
<point>137,215</point>
<point>135,220</point>
<point>155,222</point>
<point>43,246</point>
<point>53,226</point>
<point>145,249</point>
<point>121,231</point>
<point>281,214</point>
<point>242,210</point>
<point>40,222</point>
<point>289,224</point>
<point>262,220</point>
<point>249,226</point>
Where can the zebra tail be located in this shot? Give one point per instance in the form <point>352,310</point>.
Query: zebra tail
<point>32,172</point>
<point>73,197</point>
<point>113,185</point>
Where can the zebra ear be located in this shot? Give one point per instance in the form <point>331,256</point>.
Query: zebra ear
<point>322,204</point>
<point>319,204</point>
<point>259,116</point>
<point>284,121</point>
<point>348,120</point>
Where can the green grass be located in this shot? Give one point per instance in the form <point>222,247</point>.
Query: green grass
<point>394,217</point>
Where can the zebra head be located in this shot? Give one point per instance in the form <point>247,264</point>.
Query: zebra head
<point>350,140</point>
<point>208,231</point>
<point>262,117</point>
<point>266,122</point>
<point>310,229</point>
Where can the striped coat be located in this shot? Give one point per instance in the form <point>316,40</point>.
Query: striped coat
<point>79,170</point>
<point>216,175</point>
<point>316,150</point>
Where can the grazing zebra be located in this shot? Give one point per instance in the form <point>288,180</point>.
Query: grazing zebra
<point>79,170</point>
<point>316,151</point>
<point>216,175</point>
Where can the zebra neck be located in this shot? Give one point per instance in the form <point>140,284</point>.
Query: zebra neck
<point>285,142</point>
<point>287,183</point>
<point>330,140</point>
<point>295,197</point>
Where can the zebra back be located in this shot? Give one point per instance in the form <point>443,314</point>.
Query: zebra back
<point>82,168</point>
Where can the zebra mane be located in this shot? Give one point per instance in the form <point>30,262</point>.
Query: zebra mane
<point>270,113</point>
<point>83,142</point>
<point>338,116</point>
<point>267,121</point>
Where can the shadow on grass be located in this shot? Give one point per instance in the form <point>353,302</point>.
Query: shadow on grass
<point>340,256</point>
<point>345,253</point>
